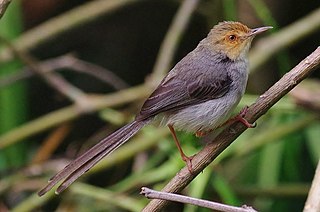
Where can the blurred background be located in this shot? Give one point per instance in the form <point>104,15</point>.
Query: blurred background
<point>104,59</point>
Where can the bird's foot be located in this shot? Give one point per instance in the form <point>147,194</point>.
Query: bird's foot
<point>240,117</point>
<point>188,161</point>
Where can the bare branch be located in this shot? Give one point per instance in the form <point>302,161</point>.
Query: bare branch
<point>152,194</point>
<point>99,72</point>
<point>313,201</point>
<point>227,136</point>
<point>3,6</point>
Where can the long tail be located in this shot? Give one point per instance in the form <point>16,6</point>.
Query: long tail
<point>91,157</point>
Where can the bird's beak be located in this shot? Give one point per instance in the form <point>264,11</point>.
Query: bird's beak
<point>259,30</point>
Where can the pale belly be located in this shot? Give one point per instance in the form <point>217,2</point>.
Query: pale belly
<point>204,116</point>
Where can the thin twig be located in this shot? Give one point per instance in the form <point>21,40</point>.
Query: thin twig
<point>152,194</point>
<point>313,201</point>
<point>170,43</point>
<point>71,63</point>
<point>3,6</point>
<point>99,72</point>
<point>227,136</point>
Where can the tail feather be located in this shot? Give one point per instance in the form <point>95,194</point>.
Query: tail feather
<point>91,157</point>
<point>93,161</point>
<point>93,151</point>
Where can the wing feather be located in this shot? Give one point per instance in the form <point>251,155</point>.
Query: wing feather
<point>177,94</point>
<point>197,78</point>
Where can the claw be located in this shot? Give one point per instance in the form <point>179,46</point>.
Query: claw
<point>188,161</point>
<point>240,117</point>
<point>245,122</point>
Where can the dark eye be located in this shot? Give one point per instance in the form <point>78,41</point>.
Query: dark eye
<point>232,37</point>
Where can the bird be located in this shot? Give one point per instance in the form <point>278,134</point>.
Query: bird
<point>198,95</point>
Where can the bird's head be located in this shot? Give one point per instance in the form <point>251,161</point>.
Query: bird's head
<point>233,39</point>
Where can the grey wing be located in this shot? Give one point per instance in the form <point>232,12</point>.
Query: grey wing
<point>175,94</point>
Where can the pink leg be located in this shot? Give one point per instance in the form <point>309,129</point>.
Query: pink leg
<point>185,158</point>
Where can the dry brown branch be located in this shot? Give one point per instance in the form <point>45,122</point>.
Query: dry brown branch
<point>152,194</point>
<point>3,6</point>
<point>227,136</point>
<point>313,201</point>
<point>96,71</point>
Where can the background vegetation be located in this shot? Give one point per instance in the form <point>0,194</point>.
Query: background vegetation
<point>103,59</point>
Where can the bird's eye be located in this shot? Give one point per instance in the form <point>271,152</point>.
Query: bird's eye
<point>232,37</point>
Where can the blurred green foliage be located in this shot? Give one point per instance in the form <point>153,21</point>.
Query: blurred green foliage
<point>270,167</point>
<point>13,101</point>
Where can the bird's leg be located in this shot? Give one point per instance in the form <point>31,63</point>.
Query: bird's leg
<point>185,158</point>
<point>240,117</point>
